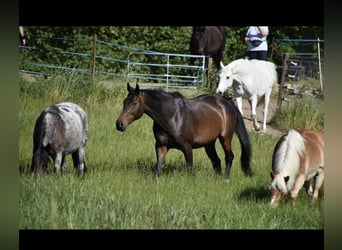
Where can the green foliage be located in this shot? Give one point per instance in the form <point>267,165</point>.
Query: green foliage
<point>50,41</point>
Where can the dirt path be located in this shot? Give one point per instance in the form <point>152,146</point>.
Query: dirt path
<point>271,109</point>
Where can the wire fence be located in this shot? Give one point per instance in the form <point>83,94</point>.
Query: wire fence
<point>304,63</point>
<point>52,56</point>
<point>47,56</point>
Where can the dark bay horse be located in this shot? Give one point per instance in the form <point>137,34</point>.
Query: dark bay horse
<point>59,130</point>
<point>208,41</point>
<point>186,124</point>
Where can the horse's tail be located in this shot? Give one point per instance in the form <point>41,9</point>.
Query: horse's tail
<point>40,160</point>
<point>40,157</point>
<point>245,143</point>
<point>287,152</point>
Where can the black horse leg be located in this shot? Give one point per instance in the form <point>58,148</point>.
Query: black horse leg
<point>161,152</point>
<point>212,154</point>
<point>229,156</point>
<point>191,71</point>
<point>217,61</point>
<point>78,161</point>
<point>64,164</point>
<point>187,151</point>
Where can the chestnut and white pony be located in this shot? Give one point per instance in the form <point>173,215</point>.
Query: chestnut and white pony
<point>252,79</point>
<point>298,158</point>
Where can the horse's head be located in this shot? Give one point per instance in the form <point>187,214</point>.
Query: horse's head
<point>277,188</point>
<point>198,40</point>
<point>40,161</point>
<point>133,108</point>
<point>225,79</point>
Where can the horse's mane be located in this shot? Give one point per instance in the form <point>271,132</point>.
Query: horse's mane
<point>287,153</point>
<point>53,109</point>
<point>157,94</point>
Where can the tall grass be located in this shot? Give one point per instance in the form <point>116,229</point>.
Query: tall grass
<point>300,113</point>
<point>120,190</point>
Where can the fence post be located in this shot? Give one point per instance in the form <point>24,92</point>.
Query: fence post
<point>272,48</point>
<point>94,56</point>
<point>319,64</point>
<point>281,87</point>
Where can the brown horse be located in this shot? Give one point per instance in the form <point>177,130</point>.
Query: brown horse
<point>208,41</point>
<point>298,158</point>
<point>186,124</point>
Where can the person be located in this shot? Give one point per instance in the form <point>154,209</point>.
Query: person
<point>22,38</point>
<point>256,38</point>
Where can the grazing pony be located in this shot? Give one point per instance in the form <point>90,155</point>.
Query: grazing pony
<point>186,124</point>
<point>252,79</point>
<point>208,41</point>
<point>298,158</point>
<point>60,129</point>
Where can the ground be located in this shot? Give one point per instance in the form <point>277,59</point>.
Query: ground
<point>271,109</point>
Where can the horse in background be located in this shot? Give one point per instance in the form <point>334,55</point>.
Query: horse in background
<point>208,41</point>
<point>252,79</point>
<point>186,124</point>
<point>298,158</point>
<point>59,130</point>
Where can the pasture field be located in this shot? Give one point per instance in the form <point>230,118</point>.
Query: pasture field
<point>120,191</point>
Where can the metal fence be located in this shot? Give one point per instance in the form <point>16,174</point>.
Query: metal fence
<point>165,69</point>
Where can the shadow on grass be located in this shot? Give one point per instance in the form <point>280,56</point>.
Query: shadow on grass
<point>143,165</point>
<point>258,194</point>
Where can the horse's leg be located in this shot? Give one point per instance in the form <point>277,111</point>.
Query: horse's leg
<point>318,181</point>
<point>58,161</point>
<point>253,102</point>
<point>308,188</point>
<point>205,62</point>
<point>265,110</point>
<point>229,156</point>
<point>191,63</point>
<point>298,185</point>
<point>212,154</point>
<point>161,151</point>
<point>187,151</point>
<point>239,103</point>
<point>78,158</point>
<point>64,164</point>
<point>217,61</point>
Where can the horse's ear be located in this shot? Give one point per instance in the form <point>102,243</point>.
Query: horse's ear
<point>137,89</point>
<point>129,88</point>
<point>221,64</point>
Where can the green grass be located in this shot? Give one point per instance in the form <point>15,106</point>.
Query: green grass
<point>120,190</point>
<point>302,113</point>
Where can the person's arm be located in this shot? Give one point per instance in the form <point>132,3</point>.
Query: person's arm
<point>22,35</point>
<point>247,36</point>
<point>263,32</point>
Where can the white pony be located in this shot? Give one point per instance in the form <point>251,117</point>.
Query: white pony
<point>252,79</point>
<point>297,159</point>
